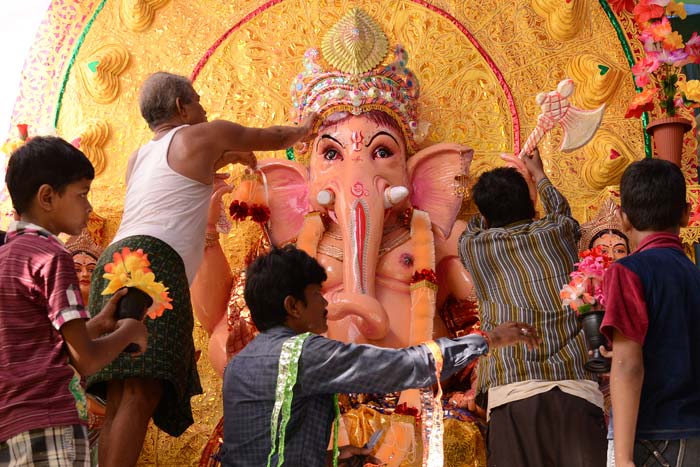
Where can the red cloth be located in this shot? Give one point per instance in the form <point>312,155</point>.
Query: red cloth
<point>625,308</point>
<point>39,293</point>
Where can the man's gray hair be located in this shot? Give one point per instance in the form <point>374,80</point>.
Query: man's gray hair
<point>158,95</point>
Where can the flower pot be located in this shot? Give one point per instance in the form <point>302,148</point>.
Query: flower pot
<point>133,305</point>
<point>590,322</point>
<point>667,134</point>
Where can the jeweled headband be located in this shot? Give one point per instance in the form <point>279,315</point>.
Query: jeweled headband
<point>355,48</point>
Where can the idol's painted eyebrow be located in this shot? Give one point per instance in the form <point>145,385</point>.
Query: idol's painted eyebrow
<point>381,133</point>
<point>329,137</point>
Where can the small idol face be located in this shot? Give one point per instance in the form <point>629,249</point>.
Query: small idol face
<point>84,266</point>
<point>611,245</point>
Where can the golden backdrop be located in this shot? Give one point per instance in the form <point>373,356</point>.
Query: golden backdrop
<point>480,65</point>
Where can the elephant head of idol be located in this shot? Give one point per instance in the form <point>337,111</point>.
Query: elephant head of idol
<point>365,167</point>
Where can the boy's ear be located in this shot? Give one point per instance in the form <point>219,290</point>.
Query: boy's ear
<point>45,196</point>
<point>290,306</point>
<point>626,224</point>
<point>685,217</point>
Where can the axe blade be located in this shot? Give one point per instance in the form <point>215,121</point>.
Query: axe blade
<point>579,127</point>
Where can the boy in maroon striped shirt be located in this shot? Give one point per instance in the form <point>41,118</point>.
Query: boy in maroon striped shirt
<point>46,340</point>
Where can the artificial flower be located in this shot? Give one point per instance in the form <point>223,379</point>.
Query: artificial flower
<point>692,48</point>
<point>642,102</point>
<point>585,290</point>
<point>690,91</point>
<point>643,69</point>
<point>619,6</point>
<point>665,54</point>
<point>131,269</point>
<point>676,9</point>
<point>645,11</point>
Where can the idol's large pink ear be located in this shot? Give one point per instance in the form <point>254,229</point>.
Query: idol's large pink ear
<point>432,172</point>
<point>287,196</point>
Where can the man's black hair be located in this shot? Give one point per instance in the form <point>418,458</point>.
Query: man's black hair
<point>652,194</point>
<point>44,160</point>
<point>274,276</point>
<point>502,197</point>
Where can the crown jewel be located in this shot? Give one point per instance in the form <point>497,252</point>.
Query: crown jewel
<point>356,47</point>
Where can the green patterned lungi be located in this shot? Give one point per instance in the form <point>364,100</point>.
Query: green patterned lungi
<point>170,353</point>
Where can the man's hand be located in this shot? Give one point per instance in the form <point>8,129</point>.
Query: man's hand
<point>512,332</point>
<point>533,163</point>
<point>352,456</point>
<point>237,157</point>
<point>307,126</point>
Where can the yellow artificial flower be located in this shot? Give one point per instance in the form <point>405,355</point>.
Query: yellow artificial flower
<point>673,41</point>
<point>131,269</point>
<point>691,90</point>
<point>676,9</point>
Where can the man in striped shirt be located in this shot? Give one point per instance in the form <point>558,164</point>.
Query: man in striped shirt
<point>544,408</point>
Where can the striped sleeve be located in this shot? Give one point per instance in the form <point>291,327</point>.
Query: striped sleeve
<point>61,290</point>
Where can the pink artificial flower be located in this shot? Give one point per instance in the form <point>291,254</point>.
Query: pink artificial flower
<point>662,3</point>
<point>692,48</point>
<point>659,29</point>
<point>672,57</point>
<point>643,69</point>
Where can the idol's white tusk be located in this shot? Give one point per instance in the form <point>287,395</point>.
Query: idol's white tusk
<point>325,197</point>
<point>394,195</point>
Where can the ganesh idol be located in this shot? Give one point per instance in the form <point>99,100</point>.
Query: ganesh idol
<point>373,206</point>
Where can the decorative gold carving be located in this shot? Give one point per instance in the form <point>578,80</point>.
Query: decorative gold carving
<point>606,157</point>
<point>355,44</point>
<point>563,18</point>
<point>596,80</point>
<point>92,140</point>
<point>138,15</point>
<point>99,73</point>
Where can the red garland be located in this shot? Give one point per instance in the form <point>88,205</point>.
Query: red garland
<point>424,275</point>
<point>404,409</point>
<point>240,211</point>
<point>259,213</point>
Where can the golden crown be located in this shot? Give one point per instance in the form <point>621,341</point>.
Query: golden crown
<point>606,219</point>
<point>356,47</point>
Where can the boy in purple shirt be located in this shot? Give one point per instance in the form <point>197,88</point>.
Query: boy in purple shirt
<point>46,340</point>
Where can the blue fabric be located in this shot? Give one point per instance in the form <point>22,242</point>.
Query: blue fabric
<point>670,399</point>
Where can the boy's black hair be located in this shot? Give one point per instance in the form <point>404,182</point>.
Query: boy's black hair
<point>652,194</point>
<point>271,278</point>
<point>44,160</point>
<point>503,197</point>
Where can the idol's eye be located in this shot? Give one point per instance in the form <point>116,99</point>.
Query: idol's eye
<point>332,155</point>
<point>382,153</point>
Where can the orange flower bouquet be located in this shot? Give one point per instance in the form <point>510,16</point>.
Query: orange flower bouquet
<point>131,269</point>
<point>658,72</point>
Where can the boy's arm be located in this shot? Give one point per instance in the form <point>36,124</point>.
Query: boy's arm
<point>553,202</point>
<point>88,355</point>
<point>626,377</point>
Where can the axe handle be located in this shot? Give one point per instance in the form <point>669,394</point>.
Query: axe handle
<point>533,140</point>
